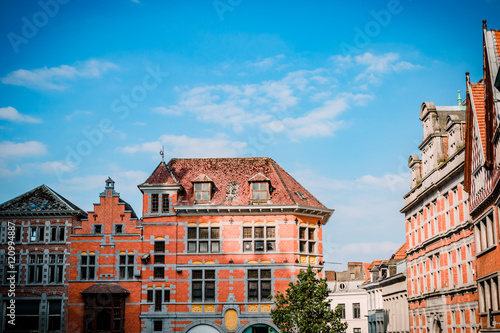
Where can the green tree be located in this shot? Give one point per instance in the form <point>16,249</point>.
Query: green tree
<point>305,308</point>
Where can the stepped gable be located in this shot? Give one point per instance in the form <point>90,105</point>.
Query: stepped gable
<point>234,173</point>
<point>128,208</point>
<point>40,201</point>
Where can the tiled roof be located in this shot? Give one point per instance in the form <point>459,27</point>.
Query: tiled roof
<point>40,200</point>
<point>496,33</point>
<point>128,207</point>
<point>230,178</point>
<point>105,288</point>
<point>161,176</point>
<point>401,253</point>
<point>478,100</point>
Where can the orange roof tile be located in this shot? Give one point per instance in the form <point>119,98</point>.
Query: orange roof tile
<point>478,99</point>
<point>496,33</point>
<point>401,253</point>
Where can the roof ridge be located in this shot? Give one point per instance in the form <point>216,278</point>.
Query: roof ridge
<point>60,197</point>
<point>281,179</point>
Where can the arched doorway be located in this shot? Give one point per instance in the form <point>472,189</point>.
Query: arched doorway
<point>203,329</point>
<point>436,326</point>
<point>260,328</point>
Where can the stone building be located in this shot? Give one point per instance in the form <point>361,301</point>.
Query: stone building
<point>482,175</point>
<point>36,226</point>
<point>387,294</point>
<point>345,292</point>
<point>442,292</point>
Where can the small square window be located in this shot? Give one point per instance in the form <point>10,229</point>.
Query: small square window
<point>118,228</point>
<point>215,247</point>
<point>158,326</point>
<point>159,273</point>
<point>247,246</point>
<point>97,229</point>
<point>259,232</point>
<point>247,232</point>
<point>203,247</point>
<point>191,233</point>
<point>260,192</point>
<point>214,233</point>
<point>202,192</point>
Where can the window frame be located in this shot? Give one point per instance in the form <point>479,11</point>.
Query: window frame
<point>207,284</point>
<point>251,240</point>
<point>307,240</point>
<point>195,239</point>
<point>260,191</point>
<point>155,203</point>
<point>88,266</point>
<point>165,201</point>
<point>35,268</point>
<point>59,236</point>
<point>127,267</point>
<point>201,191</point>
<point>259,280</point>
<point>56,268</point>
<point>38,236</point>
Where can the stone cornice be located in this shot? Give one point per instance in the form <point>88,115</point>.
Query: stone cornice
<point>324,213</point>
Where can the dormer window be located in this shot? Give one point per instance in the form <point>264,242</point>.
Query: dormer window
<point>260,191</point>
<point>202,192</point>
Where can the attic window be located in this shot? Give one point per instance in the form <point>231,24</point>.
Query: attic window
<point>202,192</point>
<point>260,191</point>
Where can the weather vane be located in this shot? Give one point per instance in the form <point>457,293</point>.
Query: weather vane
<point>162,153</point>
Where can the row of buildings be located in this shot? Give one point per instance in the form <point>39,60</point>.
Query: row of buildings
<point>447,277</point>
<point>217,238</point>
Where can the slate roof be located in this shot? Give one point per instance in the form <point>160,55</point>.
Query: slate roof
<point>40,201</point>
<point>105,288</point>
<point>234,173</point>
<point>128,207</point>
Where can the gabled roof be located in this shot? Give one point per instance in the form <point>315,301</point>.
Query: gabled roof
<point>129,208</point>
<point>258,178</point>
<point>106,288</point>
<point>401,252</point>
<point>202,179</point>
<point>161,176</point>
<point>40,201</point>
<point>230,178</point>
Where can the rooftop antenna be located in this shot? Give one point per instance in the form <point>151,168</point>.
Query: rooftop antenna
<point>162,153</point>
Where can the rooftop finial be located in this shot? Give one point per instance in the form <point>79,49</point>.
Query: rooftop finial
<point>459,99</point>
<point>162,153</point>
<point>484,25</point>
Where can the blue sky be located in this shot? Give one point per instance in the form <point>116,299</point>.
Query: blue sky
<point>330,90</point>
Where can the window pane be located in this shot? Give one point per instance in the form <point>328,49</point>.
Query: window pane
<point>270,246</point>
<point>205,186</point>
<point>311,247</point>
<point>270,232</point>
<point>197,291</point>
<point>215,247</point>
<point>247,232</point>
<point>302,233</point>
<point>255,186</point>
<point>203,247</point>
<point>311,234</point>
<point>203,233</point>
<point>205,196</point>
<point>302,246</point>
<point>259,245</point>
<point>197,274</point>
<point>191,233</point>
<point>253,274</point>
<point>210,275</point>
<point>247,246</point>
<point>259,232</point>
<point>266,290</point>
<point>191,247</point>
<point>197,187</point>
<point>214,233</point>
<point>253,292</point>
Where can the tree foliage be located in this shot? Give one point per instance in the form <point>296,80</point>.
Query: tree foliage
<point>305,308</point>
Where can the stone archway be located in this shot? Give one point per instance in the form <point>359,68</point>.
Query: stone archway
<point>436,326</point>
<point>203,328</point>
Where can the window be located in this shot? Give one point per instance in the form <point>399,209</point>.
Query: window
<point>159,252</point>
<point>342,310</point>
<point>356,311</point>
<point>19,234</point>
<point>56,268</point>
<point>87,267</point>
<point>260,192</point>
<point>150,296</point>
<point>37,234</point>
<point>203,240</point>
<point>488,295</point>
<point>118,228</point>
<point>126,266</point>
<point>203,285</point>
<point>159,272</point>
<point>97,229</point>
<point>154,203</point>
<point>55,316</point>
<point>484,233</point>
<point>259,239</point>
<point>13,271</point>
<point>202,192</point>
<point>57,234</point>
<point>35,268</point>
<point>158,298</point>
<point>356,330</point>
<point>27,316</point>
<point>164,203</point>
<point>158,326</point>
<point>306,240</point>
<point>259,285</point>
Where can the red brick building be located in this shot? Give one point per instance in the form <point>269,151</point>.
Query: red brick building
<point>104,269</point>
<point>34,254</point>
<point>218,238</point>
<point>442,295</point>
<point>482,175</point>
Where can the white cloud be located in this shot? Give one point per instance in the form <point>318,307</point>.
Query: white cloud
<point>167,111</point>
<point>184,146</point>
<point>76,113</point>
<point>380,64</point>
<point>22,149</point>
<point>10,113</point>
<point>265,63</point>
<point>57,78</point>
